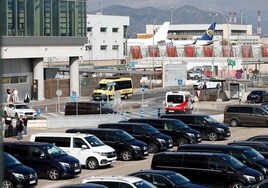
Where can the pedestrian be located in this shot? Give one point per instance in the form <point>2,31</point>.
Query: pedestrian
<point>25,122</point>
<point>8,95</point>
<point>27,98</point>
<point>19,128</point>
<point>15,95</point>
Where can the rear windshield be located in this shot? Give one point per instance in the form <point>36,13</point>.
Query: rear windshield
<point>175,98</point>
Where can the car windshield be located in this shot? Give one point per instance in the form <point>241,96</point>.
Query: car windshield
<point>102,87</point>
<point>22,106</point>
<point>94,141</point>
<point>150,130</point>
<point>143,184</point>
<point>124,135</point>
<point>54,151</point>
<point>180,124</point>
<point>233,162</point>
<point>178,178</point>
<point>210,119</point>
<point>253,154</point>
<point>9,160</point>
<point>256,92</point>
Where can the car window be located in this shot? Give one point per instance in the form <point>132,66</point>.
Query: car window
<point>159,180</point>
<point>94,141</point>
<point>36,152</point>
<point>260,111</point>
<point>233,109</point>
<point>146,177</point>
<point>216,164</point>
<point>246,110</point>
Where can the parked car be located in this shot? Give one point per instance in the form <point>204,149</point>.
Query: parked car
<point>177,130</point>
<point>119,181</point>
<point>244,154</point>
<point>87,185</point>
<point>245,115</point>
<point>19,110</point>
<point>155,140</point>
<point>46,159</point>
<point>87,148</point>
<point>262,184</point>
<point>191,74</point>
<point>17,174</point>
<point>208,127</point>
<point>166,178</point>
<point>207,84</point>
<point>214,169</point>
<point>257,96</point>
<point>263,137</point>
<point>260,146</point>
<point>126,146</point>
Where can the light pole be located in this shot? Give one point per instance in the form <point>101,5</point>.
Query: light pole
<point>154,48</point>
<point>171,15</point>
<point>213,14</point>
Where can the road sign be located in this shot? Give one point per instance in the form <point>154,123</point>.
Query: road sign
<point>73,98</point>
<point>58,92</point>
<point>180,82</point>
<point>142,89</point>
<point>250,70</point>
<point>142,113</point>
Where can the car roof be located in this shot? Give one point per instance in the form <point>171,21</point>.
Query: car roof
<point>163,172</point>
<point>248,142</point>
<point>129,179</point>
<point>213,146</point>
<point>261,135</point>
<point>88,185</point>
<point>27,143</point>
<point>98,129</point>
<point>174,115</point>
<point>62,134</point>
<point>191,153</point>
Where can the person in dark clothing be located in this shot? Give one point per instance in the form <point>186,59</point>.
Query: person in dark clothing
<point>25,121</point>
<point>19,128</point>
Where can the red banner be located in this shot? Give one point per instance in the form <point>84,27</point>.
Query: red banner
<point>189,51</point>
<point>153,51</point>
<point>246,51</point>
<point>225,51</point>
<point>136,52</point>
<point>172,51</point>
<point>208,51</point>
<point>264,51</point>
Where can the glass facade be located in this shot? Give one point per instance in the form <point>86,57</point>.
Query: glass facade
<point>43,17</point>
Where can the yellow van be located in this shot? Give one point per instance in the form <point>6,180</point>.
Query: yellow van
<point>108,87</point>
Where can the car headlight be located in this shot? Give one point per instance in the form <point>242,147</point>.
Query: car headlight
<point>161,140</point>
<point>264,170</point>
<point>220,129</point>
<point>101,153</point>
<point>190,134</point>
<point>18,176</point>
<point>66,165</point>
<point>135,147</point>
<point>250,179</point>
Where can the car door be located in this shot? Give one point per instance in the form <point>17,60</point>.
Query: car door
<point>246,115</point>
<point>261,117</point>
<point>198,123</point>
<point>115,142</point>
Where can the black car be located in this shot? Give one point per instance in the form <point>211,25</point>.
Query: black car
<point>155,140</point>
<point>177,130</point>
<point>17,174</point>
<point>166,178</point>
<point>263,137</point>
<point>126,146</point>
<point>209,128</point>
<point>46,159</point>
<point>257,96</point>
<point>260,146</point>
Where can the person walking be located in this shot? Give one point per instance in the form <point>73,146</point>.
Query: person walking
<point>15,95</point>
<point>19,128</point>
<point>25,122</point>
<point>8,95</point>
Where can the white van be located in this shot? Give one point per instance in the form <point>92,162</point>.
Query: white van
<point>178,102</point>
<point>87,148</point>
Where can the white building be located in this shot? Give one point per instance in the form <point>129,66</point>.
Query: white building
<point>106,39</point>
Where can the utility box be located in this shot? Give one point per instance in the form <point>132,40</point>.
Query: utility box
<point>234,90</point>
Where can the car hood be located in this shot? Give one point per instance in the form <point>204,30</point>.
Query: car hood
<point>20,169</point>
<point>221,125</point>
<point>263,163</point>
<point>190,130</point>
<point>104,148</point>
<point>66,158</point>
<point>136,142</point>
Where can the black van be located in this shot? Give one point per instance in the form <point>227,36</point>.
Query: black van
<point>17,174</point>
<point>46,159</point>
<point>214,169</point>
<point>209,127</point>
<point>177,130</point>
<point>125,145</point>
<point>85,108</point>
<point>260,146</point>
<point>245,154</point>
<point>155,140</point>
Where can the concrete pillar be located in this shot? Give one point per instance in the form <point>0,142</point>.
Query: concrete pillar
<point>74,75</point>
<point>38,74</point>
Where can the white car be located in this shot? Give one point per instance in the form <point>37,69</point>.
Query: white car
<point>18,110</point>
<point>206,84</point>
<point>119,181</point>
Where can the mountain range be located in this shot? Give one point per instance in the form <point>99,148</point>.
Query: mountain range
<point>141,17</point>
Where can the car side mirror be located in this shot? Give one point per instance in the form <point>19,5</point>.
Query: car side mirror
<point>84,147</point>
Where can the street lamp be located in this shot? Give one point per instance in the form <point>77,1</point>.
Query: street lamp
<point>171,15</point>
<point>213,14</point>
<point>154,47</point>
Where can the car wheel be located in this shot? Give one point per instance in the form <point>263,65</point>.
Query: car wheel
<point>126,155</point>
<point>7,183</point>
<point>212,136</point>
<point>92,164</point>
<point>237,185</point>
<point>152,148</point>
<point>53,174</point>
<point>196,77</point>
<point>234,123</point>
<point>181,141</point>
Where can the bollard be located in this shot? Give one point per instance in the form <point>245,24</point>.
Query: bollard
<point>158,112</point>
<point>38,112</point>
<point>142,113</point>
<point>46,109</point>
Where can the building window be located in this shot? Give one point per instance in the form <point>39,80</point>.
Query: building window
<point>103,29</point>
<point>103,47</point>
<point>115,30</point>
<point>14,80</point>
<point>89,29</point>
<point>115,47</point>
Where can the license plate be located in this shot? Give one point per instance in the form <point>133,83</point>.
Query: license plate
<point>199,139</point>
<point>228,134</point>
<point>32,182</point>
<point>97,97</point>
<point>77,170</point>
<point>170,145</point>
<point>171,110</point>
<point>145,153</point>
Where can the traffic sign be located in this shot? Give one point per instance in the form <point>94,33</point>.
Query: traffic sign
<point>180,82</point>
<point>142,113</point>
<point>58,92</point>
<point>250,70</point>
<point>73,98</point>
